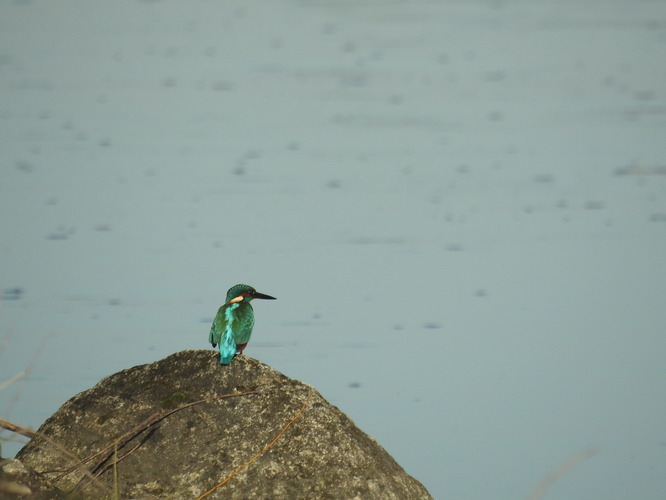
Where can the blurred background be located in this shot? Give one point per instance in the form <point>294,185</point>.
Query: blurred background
<point>460,206</point>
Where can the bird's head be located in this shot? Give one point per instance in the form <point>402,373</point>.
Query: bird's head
<point>244,293</point>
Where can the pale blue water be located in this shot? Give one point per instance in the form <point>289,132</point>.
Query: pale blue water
<point>461,207</point>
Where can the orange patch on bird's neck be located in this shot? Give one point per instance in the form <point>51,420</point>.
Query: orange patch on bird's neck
<point>237,299</point>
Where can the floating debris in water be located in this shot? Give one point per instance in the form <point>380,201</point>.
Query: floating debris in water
<point>658,217</point>
<point>370,240</point>
<point>61,233</point>
<point>223,86</point>
<point>595,205</point>
<point>354,385</point>
<point>14,293</point>
<point>24,166</point>
<point>543,178</point>
<point>639,170</point>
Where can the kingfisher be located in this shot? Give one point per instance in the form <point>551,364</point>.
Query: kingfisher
<point>233,323</point>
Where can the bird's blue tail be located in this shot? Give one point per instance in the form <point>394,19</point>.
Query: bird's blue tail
<point>227,348</point>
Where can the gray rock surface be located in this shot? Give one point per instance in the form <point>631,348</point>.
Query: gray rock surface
<point>19,482</point>
<point>175,436</point>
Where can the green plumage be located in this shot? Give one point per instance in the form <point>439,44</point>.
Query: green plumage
<point>233,324</point>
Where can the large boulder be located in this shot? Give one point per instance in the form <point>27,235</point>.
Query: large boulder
<point>179,427</point>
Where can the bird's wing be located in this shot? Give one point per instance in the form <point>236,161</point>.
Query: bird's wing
<point>217,328</point>
<point>244,325</point>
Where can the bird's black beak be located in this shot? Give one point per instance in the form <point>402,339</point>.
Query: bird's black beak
<point>257,295</point>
